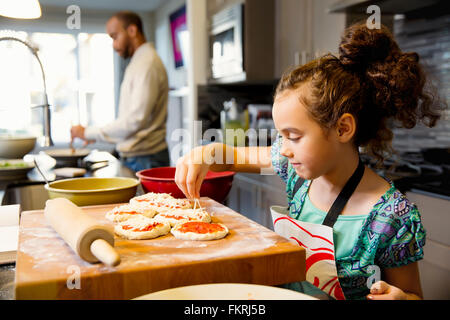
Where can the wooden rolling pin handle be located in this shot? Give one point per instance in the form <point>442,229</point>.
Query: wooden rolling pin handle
<point>104,252</point>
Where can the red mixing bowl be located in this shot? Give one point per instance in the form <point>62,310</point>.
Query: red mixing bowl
<point>216,185</point>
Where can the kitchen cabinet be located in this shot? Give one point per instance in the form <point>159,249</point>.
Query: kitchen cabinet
<point>305,30</point>
<point>268,197</point>
<point>252,195</point>
<point>30,197</point>
<point>292,28</point>
<point>434,268</point>
<point>327,28</point>
<point>214,6</point>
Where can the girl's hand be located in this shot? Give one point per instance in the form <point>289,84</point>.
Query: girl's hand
<point>191,171</point>
<point>382,291</point>
<point>218,157</point>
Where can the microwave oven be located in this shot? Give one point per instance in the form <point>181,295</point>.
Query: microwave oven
<point>226,43</point>
<point>242,43</point>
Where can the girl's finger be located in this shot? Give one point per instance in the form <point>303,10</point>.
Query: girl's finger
<point>177,170</point>
<point>199,182</point>
<point>379,297</point>
<point>180,177</point>
<point>379,287</point>
<point>191,179</point>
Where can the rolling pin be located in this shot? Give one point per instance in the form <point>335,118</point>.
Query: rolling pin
<point>90,240</point>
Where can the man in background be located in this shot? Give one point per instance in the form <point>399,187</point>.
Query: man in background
<point>139,131</point>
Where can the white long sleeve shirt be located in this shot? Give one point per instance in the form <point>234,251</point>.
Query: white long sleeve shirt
<point>140,128</point>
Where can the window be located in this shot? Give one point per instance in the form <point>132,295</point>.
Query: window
<point>79,72</point>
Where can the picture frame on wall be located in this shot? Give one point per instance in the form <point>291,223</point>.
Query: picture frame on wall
<point>180,36</point>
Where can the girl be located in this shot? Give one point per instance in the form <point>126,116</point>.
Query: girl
<point>326,112</point>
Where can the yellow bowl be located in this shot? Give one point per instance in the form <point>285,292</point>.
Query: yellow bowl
<point>93,191</point>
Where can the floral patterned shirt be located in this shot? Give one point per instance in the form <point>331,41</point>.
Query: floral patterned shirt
<point>392,235</point>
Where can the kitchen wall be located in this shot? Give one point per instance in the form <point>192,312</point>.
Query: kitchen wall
<point>430,38</point>
<point>163,42</point>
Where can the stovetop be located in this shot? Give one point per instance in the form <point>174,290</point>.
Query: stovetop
<point>427,170</point>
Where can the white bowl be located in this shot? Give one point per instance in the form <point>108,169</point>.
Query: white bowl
<point>16,147</point>
<point>226,291</point>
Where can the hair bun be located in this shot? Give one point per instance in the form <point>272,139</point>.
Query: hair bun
<point>360,46</point>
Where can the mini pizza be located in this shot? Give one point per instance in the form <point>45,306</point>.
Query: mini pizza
<point>198,230</point>
<point>128,211</point>
<point>161,205</point>
<point>183,215</point>
<point>141,228</point>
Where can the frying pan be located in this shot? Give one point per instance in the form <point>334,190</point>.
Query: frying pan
<point>68,157</point>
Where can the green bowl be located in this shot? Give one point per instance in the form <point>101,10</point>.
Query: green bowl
<point>93,191</point>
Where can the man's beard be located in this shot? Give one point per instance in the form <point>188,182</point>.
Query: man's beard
<point>126,51</point>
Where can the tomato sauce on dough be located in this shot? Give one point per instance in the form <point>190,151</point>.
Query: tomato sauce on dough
<point>127,212</point>
<point>176,217</point>
<point>148,228</point>
<point>200,227</point>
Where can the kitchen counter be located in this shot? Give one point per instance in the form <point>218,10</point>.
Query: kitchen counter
<point>112,168</point>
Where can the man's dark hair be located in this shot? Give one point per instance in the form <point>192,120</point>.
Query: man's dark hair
<point>128,18</point>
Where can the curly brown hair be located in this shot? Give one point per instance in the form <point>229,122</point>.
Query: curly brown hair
<point>373,80</point>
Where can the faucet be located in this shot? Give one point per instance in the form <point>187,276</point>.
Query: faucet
<point>47,139</point>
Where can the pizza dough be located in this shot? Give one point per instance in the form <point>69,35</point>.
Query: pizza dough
<point>197,230</point>
<point>141,228</point>
<point>151,196</point>
<point>183,215</point>
<point>160,204</point>
<point>153,214</point>
<point>128,211</point>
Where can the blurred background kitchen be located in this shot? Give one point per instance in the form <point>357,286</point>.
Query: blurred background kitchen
<point>223,64</point>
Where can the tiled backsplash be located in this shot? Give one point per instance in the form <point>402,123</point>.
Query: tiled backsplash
<point>430,38</point>
<point>212,97</point>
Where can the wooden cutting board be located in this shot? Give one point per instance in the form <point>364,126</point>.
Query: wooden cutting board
<point>47,268</point>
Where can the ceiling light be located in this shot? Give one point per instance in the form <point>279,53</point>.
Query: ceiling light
<point>20,9</point>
